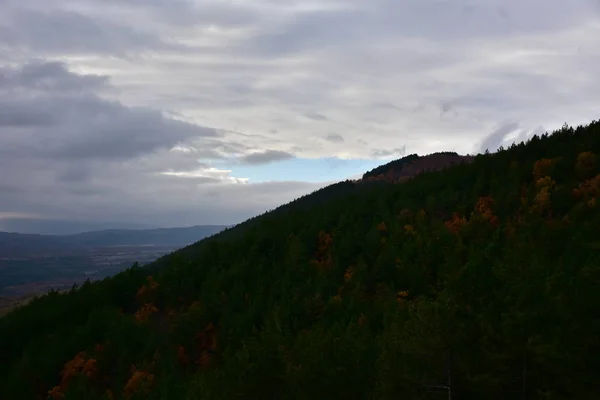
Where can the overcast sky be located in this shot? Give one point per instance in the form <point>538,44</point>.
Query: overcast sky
<point>182,112</point>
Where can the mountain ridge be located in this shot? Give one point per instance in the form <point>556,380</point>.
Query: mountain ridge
<point>109,237</point>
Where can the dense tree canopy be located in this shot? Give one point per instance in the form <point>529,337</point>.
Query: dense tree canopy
<point>480,280</point>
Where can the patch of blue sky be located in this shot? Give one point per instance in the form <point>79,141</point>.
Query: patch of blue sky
<point>305,170</point>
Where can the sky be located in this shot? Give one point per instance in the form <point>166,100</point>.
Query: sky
<point>181,112</point>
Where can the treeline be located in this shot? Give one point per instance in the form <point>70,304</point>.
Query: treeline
<point>480,281</point>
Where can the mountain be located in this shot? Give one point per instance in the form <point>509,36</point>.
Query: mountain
<point>62,227</point>
<point>19,243</point>
<point>478,280</point>
<point>131,237</point>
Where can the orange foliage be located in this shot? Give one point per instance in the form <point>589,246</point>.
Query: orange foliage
<point>140,381</point>
<point>145,312</point>
<point>542,199</point>
<point>348,273</point>
<point>141,292</point>
<point>409,229</point>
<point>147,289</point>
<point>208,338</point>
<point>323,254</point>
<point>207,344</point>
<point>544,182</point>
<point>484,205</point>
<point>456,223</point>
<point>90,368</point>
<point>79,365</point>
<point>381,227</point>
<point>591,187</point>
<point>483,210</point>
<point>401,296</point>
<point>55,393</point>
<point>72,368</point>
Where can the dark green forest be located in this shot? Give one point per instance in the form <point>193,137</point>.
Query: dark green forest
<point>480,281</point>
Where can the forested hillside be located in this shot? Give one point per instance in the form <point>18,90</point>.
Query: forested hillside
<point>481,280</point>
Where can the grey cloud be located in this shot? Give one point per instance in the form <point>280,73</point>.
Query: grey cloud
<point>80,124</point>
<point>445,107</point>
<point>335,138</point>
<point>496,137</point>
<point>383,153</point>
<point>360,23</point>
<point>48,76</point>
<point>75,32</point>
<point>128,132</point>
<point>309,30</point>
<point>74,174</point>
<point>265,157</point>
<point>316,116</point>
<point>386,105</point>
<point>185,12</point>
<point>20,113</point>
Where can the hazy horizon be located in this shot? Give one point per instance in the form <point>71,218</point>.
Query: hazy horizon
<point>56,227</point>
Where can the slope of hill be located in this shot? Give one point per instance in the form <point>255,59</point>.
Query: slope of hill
<point>478,281</point>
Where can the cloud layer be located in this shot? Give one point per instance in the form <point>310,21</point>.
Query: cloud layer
<point>156,111</point>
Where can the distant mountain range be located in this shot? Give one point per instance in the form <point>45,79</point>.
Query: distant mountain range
<point>52,226</point>
<point>18,243</point>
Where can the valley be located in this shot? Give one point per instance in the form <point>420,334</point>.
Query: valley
<point>39,272</point>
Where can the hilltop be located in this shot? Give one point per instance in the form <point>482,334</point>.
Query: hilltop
<point>477,277</point>
<point>399,171</point>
